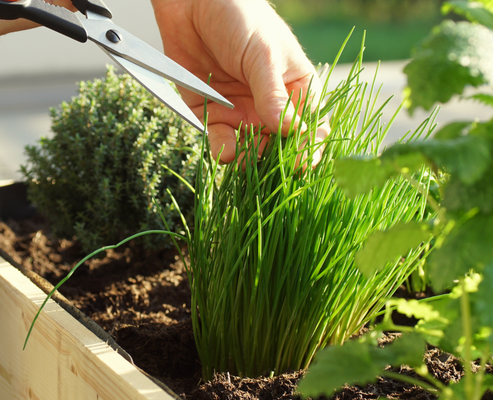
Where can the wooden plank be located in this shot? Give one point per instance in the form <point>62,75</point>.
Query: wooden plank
<point>63,360</point>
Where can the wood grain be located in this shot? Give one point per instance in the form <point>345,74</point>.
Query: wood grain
<point>63,360</point>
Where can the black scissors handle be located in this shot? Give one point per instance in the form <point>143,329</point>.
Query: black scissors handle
<point>96,6</point>
<point>53,17</point>
<point>57,18</point>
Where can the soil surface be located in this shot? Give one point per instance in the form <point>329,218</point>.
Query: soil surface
<point>141,299</point>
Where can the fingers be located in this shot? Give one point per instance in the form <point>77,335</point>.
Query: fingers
<point>222,140</point>
<point>314,147</point>
<point>271,96</point>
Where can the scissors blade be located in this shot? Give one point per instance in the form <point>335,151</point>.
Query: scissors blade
<point>159,88</point>
<point>127,46</point>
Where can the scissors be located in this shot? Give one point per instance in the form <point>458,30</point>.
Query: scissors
<point>146,64</point>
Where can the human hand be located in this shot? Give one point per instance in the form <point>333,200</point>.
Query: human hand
<point>255,62</point>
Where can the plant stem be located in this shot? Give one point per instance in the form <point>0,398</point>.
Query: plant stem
<point>480,374</point>
<point>71,272</point>
<point>467,332</point>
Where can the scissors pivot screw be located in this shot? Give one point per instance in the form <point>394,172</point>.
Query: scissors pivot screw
<point>113,36</point>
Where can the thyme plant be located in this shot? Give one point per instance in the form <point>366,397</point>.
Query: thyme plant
<point>97,176</point>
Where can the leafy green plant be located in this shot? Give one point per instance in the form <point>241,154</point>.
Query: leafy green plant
<point>271,258</point>
<point>461,264</point>
<point>453,56</point>
<point>96,177</point>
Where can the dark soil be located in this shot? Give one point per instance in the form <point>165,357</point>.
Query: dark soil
<point>142,300</point>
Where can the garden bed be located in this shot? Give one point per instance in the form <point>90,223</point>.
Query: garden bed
<point>65,360</point>
<point>142,300</point>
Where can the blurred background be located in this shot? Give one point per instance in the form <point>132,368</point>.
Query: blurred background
<point>40,68</point>
<point>393,26</point>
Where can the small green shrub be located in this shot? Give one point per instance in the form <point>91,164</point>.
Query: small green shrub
<point>96,177</point>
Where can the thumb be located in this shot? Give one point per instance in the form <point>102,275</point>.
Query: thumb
<point>271,98</point>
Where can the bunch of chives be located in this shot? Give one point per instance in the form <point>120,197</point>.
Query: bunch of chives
<point>272,253</point>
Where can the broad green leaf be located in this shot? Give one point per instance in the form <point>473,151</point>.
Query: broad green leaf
<point>447,309</point>
<point>357,175</point>
<point>453,130</point>
<point>406,163</point>
<point>467,247</point>
<point>459,197</point>
<point>452,335</point>
<point>453,56</point>
<point>484,98</point>
<point>415,308</point>
<point>335,366</point>
<point>407,350</point>
<point>358,362</point>
<point>474,11</point>
<point>383,247</point>
<point>360,174</point>
<point>467,157</point>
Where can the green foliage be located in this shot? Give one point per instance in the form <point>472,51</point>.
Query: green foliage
<point>371,360</point>
<point>459,323</point>
<point>466,196</point>
<point>386,246</point>
<point>461,263</point>
<point>96,177</point>
<point>455,55</point>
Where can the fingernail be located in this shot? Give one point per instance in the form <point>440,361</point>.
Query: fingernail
<point>289,115</point>
<point>288,119</point>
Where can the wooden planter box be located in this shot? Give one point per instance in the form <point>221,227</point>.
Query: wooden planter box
<point>63,359</point>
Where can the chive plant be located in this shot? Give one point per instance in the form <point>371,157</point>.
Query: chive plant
<point>272,251</point>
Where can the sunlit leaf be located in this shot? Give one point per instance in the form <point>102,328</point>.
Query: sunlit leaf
<point>453,56</point>
<point>358,362</point>
<point>474,11</point>
<point>360,174</point>
<point>467,157</point>
<point>466,247</point>
<point>484,98</point>
<point>415,308</point>
<point>383,247</point>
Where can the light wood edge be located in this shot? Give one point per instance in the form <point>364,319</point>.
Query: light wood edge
<point>106,371</point>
